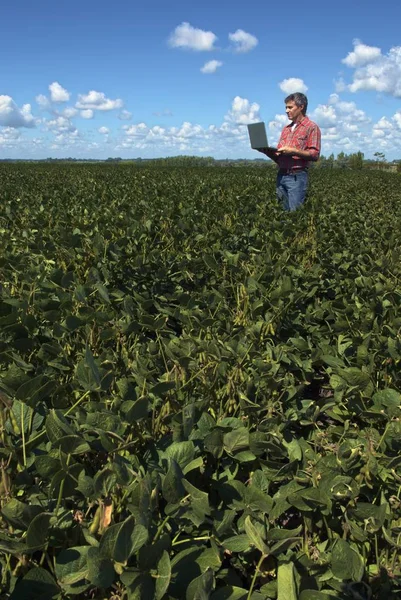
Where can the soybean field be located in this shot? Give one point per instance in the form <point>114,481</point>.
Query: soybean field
<point>200,395</point>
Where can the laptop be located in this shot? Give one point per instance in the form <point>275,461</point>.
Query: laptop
<point>258,136</point>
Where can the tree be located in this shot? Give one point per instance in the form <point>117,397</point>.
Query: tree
<point>380,159</point>
<point>356,160</point>
<point>342,160</point>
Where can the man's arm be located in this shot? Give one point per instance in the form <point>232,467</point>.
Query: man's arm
<point>270,153</point>
<point>311,154</point>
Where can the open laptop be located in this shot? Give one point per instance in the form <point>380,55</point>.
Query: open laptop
<point>258,136</point>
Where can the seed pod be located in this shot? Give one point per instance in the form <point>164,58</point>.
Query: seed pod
<point>96,520</point>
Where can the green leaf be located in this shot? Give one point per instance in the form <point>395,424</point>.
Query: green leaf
<point>201,587</point>
<point>71,565</point>
<point>100,570</point>
<point>87,373</point>
<point>181,452</point>
<point>57,426</point>
<point>237,543</point>
<point>163,576</point>
<point>38,530</point>
<point>229,592</point>
<point>255,537</point>
<point>286,584</point>
<point>18,514</point>
<point>139,537</point>
<point>72,444</point>
<point>162,388</point>
<point>37,584</point>
<point>103,293</point>
<point>314,595</point>
<point>236,440</point>
<point>172,487</point>
<point>346,563</point>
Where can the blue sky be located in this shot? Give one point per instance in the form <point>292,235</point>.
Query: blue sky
<point>156,78</point>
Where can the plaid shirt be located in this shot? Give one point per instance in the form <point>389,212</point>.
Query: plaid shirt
<point>305,136</point>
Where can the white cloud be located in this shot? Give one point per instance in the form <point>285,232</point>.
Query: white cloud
<point>87,113</point>
<point>43,101</point>
<point>97,101</point>
<point>70,112</point>
<point>340,85</point>
<point>325,116</point>
<point>243,41</point>
<point>58,93</point>
<point>12,116</point>
<point>230,136</point>
<point>361,55</point>
<point>125,115</point>
<point>103,130</point>
<point>292,85</point>
<point>186,36</point>
<point>9,137</point>
<point>397,118</point>
<point>60,124</point>
<point>375,71</point>
<point>243,112</point>
<point>211,66</point>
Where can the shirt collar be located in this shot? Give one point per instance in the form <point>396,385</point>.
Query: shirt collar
<point>303,121</point>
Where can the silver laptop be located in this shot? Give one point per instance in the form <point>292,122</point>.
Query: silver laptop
<point>258,136</point>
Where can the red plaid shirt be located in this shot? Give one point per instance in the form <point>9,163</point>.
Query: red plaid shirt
<point>305,136</point>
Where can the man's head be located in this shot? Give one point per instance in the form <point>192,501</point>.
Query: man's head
<point>296,105</point>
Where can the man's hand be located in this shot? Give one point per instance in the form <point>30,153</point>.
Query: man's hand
<point>287,150</point>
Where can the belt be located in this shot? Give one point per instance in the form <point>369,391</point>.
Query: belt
<point>292,171</point>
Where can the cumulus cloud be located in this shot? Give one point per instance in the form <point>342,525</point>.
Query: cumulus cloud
<point>361,55</point>
<point>13,116</point>
<point>125,115</point>
<point>186,36</point>
<point>292,85</point>
<point>9,137</point>
<point>375,71</point>
<point>339,113</point>
<point>230,135</point>
<point>211,66</point>
<point>243,112</point>
<point>70,112</point>
<point>97,101</point>
<point>87,113</point>
<point>58,93</point>
<point>60,124</point>
<point>103,130</point>
<point>243,41</point>
<point>43,101</point>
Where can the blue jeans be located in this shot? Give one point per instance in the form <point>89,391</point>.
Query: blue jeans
<point>291,189</point>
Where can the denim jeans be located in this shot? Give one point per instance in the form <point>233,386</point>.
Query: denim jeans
<point>291,189</point>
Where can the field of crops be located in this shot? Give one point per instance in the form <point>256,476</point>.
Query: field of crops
<point>200,394</point>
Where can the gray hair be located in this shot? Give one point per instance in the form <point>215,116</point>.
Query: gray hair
<point>299,99</point>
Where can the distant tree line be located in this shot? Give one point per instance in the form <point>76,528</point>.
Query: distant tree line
<point>357,161</point>
<point>341,161</point>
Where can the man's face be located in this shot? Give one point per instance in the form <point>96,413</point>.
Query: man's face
<point>293,111</point>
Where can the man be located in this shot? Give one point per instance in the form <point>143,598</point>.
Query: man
<point>299,144</point>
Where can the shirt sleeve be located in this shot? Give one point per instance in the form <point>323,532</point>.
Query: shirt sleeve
<point>314,142</point>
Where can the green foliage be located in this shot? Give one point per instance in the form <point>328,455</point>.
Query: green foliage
<point>200,395</point>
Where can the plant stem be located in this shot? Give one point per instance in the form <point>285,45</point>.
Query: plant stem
<point>262,558</point>
<point>160,529</point>
<point>23,434</point>
<point>196,539</point>
<point>77,403</point>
